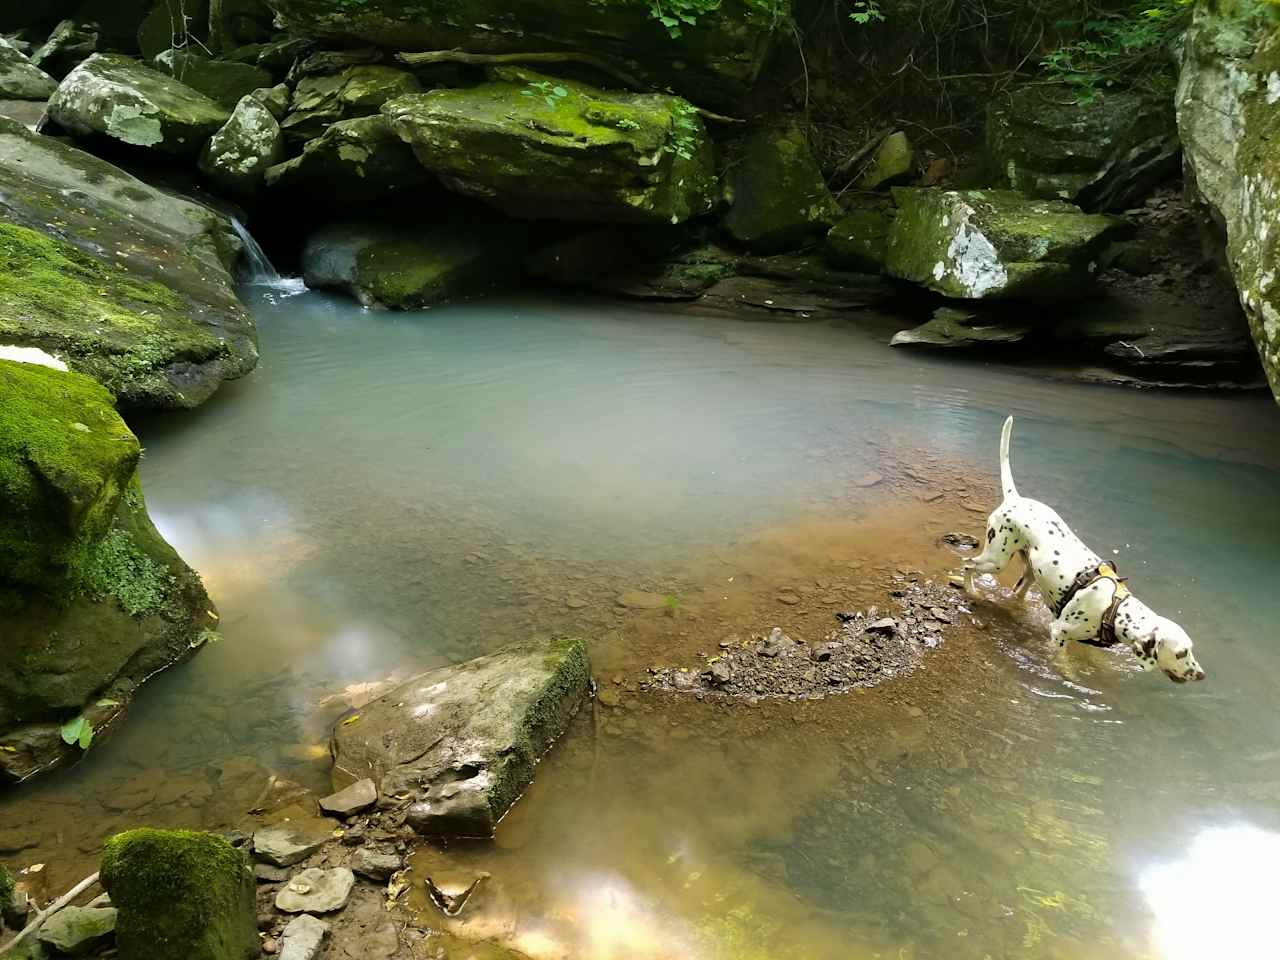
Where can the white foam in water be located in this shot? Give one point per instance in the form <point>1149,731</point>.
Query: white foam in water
<point>259,270</point>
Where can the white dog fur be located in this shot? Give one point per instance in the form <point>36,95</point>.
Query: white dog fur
<point>1056,557</point>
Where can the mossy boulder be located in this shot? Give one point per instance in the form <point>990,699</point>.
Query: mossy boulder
<point>20,79</point>
<point>404,268</point>
<point>715,60</point>
<point>893,162</point>
<point>120,281</point>
<point>355,162</point>
<point>540,148</point>
<point>181,895</point>
<point>92,599</point>
<point>122,99</point>
<point>463,741</point>
<point>357,91</point>
<point>1229,120</point>
<point>78,931</point>
<point>979,244</point>
<point>1101,155</point>
<point>860,239</point>
<point>222,81</point>
<point>70,43</point>
<point>778,197</point>
<point>238,156</point>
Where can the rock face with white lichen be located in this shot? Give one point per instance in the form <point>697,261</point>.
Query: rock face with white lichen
<point>1229,118</point>
<point>986,244</point>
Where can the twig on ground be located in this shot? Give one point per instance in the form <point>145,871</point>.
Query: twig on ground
<point>43,915</point>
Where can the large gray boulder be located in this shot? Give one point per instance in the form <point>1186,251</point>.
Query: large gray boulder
<point>237,156</point>
<point>980,244</point>
<point>713,56</point>
<point>1101,155</point>
<point>119,280</point>
<point>20,79</point>
<point>1229,118</point>
<point>541,148</point>
<point>407,267</point>
<point>117,97</point>
<point>463,741</point>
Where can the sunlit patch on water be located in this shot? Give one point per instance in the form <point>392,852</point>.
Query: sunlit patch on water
<point>1219,899</point>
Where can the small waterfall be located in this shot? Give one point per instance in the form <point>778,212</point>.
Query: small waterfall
<point>259,271</point>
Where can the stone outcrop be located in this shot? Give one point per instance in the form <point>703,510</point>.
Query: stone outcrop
<point>981,244</point>
<point>777,194</point>
<point>1229,117</point>
<point>20,79</point>
<point>462,741</point>
<point>711,57</point>
<point>238,156</point>
<point>406,267</point>
<point>124,100</point>
<point>537,147</point>
<point>1102,155</point>
<point>181,896</point>
<point>92,599</point>
<point>118,280</point>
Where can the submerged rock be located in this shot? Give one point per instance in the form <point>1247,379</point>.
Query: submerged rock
<point>237,156</point>
<point>714,60</point>
<point>980,244</point>
<point>117,97</point>
<point>356,161</point>
<point>538,147</point>
<point>1230,125</point>
<point>116,279</point>
<point>222,81</point>
<point>92,600</point>
<point>20,79</point>
<point>403,267</point>
<point>358,91</point>
<point>181,896</point>
<point>462,741</point>
<point>76,931</point>
<point>1101,155</point>
<point>779,199</point>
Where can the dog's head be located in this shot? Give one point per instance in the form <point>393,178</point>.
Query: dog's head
<point>1168,647</point>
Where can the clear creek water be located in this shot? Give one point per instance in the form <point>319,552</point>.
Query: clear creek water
<point>390,492</point>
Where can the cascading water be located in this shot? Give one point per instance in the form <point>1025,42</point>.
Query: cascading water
<point>258,269</point>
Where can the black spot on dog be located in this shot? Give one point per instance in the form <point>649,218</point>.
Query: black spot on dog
<point>991,534</point>
<point>1182,654</point>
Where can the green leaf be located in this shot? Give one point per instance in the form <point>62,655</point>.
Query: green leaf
<point>108,703</point>
<point>73,729</point>
<point>669,22</point>
<point>560,92</point>
<point>86,736</point>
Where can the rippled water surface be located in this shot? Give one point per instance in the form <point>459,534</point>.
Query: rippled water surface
<point>390,492</point>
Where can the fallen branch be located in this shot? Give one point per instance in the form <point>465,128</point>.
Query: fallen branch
<point>43,915</point>
<point>860,154</point>
<point>567,56</point>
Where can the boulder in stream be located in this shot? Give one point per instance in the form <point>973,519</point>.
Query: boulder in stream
<point>115,278</point>
<point>181,895</point>
<point>92,600</point>
<point>1230,125</point>
<point>122,99</point>
<point>979,244</point>
<point>237,156</point>
<point>539,147</point>
<point>462,742</point>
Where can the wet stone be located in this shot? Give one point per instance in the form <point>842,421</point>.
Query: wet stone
<point>316,890</point>
<point>265,873</point>
<point>885,625</point>
<point>376,865</point>
<point>303,938</point>
<point>361,795</point>
<point>286,845</point>
<point>77,931</point>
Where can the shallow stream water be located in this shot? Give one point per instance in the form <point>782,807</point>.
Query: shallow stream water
<point>391,492</point>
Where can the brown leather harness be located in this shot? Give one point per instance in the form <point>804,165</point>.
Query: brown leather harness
<point>1106,636</point>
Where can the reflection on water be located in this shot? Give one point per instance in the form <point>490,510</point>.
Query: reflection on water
<point>1219,900</point>
<point>391,492</point>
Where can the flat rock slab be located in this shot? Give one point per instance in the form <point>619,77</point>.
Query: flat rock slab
<point>461,742</point>
<point>303,938</point>
<point>377,865</point>
<point>78,930</point>
<point>287,844</point>
<point>316,890</point>
<point>361,795</point>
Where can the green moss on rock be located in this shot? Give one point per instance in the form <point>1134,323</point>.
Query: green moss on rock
<point>860,239</point>
<point>181,895</point>
<point>66,459</point>
<point>779,198</point>
<point>539,147</point>
<point>222,81</point>
<point>6,888</point>
<point>357,91</point>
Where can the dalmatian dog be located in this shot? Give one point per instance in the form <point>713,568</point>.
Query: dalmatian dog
<point>1090,601</point>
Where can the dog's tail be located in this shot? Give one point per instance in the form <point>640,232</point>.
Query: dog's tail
<point>1006,473</point>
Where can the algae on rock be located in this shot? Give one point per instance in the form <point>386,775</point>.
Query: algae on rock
<point>121,281</point>
<point>181,895</point>
<point>980,244</point>
<point>120,98</point>
<point>539,147</point>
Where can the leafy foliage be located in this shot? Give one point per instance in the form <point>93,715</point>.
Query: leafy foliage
<point>866,12</point>
<point>551,93</point>
<point>675,15</point>
<point>78,730</point>
<point>685,132</point>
